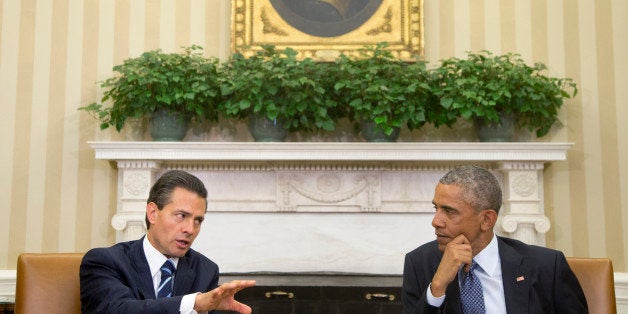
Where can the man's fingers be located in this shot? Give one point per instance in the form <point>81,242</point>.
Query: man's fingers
<point>241,308</point>
<point>234,286</point>
<point>467,267</point>
<point>466,259</point>
<point>461,239</point>
<point>459,252</point>
<point>244,283</point>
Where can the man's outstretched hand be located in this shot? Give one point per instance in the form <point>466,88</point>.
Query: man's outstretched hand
<point>222,298</point>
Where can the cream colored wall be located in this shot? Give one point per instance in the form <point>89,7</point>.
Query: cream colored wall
<point>59,198</point>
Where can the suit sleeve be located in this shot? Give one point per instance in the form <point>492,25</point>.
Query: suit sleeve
<point>568,294</point>
<point>413,297</point>
<point>107,288</point>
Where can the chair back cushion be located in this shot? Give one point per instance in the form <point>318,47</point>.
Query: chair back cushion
<point>48,283</point>
<point>596,278</point>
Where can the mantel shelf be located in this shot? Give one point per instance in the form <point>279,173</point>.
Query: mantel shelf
<point>331,151</point>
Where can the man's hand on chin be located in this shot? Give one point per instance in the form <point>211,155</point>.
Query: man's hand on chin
<point>457,252</point>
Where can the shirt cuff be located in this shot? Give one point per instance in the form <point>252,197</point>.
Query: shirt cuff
<point>431,299</point>
<point>187,304</point>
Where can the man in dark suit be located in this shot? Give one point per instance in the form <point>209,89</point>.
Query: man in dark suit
<point>511,277</point>
<point>160,273</point>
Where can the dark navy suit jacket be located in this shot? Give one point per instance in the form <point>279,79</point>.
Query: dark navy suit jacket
<point>117,279</point>
<point>535,279</point>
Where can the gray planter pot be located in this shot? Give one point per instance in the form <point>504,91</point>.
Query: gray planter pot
<point>168,126</point>
<point>134,129</point>
<point>371,133</point>
<point>503,131</point>
<point>265,130</point>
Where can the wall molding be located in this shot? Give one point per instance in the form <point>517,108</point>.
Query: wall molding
<point>7,286</point>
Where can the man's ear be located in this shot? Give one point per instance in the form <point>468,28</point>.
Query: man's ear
<point>151,212</point>
<point>489,217</point>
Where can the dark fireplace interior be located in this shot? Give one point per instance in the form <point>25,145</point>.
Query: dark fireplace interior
<point>329,293</point>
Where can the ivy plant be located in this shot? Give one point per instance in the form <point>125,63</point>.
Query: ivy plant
<point>379,87</point>
<point>483,86</point>
<point>183,83</point>
<point>275,84</point>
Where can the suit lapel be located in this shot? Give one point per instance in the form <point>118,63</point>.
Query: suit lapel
<point>514,275</point>
<point>144,279</point>
<point>184,277</point>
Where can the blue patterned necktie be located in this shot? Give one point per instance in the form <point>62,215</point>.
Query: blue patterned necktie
<point>471,293</point>
<point>165,286</point>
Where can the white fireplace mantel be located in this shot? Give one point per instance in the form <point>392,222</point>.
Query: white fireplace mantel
<point>325,206</point>
<point>326,151</point>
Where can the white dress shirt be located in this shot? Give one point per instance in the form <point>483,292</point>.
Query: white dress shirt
<point>155,261</point>
<point>490,275</point>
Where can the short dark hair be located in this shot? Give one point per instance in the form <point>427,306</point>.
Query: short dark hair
<point>479,187</point>
<point>161,191</point>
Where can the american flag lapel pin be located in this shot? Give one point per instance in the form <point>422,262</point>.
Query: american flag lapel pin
<point>520,278</point>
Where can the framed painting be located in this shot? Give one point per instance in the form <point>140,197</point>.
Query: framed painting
<point>323,29</point>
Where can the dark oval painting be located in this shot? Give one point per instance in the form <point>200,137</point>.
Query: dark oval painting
<point>326,18</point>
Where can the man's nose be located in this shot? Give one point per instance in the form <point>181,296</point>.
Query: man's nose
<point>437,221</point>
<point>188,226</point>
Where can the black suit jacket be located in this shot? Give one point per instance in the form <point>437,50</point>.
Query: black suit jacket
<point>548,285</point>
<point>117,279</point>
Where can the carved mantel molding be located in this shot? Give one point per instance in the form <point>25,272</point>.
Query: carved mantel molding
<point>380,185</point>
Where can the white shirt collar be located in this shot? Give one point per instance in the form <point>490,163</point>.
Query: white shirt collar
<point>155,258</point>
<point>489,259</point>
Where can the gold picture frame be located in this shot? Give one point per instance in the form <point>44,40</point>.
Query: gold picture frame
<point>292,23</point>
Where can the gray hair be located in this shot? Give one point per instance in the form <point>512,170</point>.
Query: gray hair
<point>478,186</point>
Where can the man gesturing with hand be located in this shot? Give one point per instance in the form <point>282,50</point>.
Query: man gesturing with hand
<point>160,272</point>
<point>468,269</point>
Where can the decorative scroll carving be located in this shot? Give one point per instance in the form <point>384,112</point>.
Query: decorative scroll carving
<point>385,26</point>
<point>343,189</point>
<point>328,183</point>
<point>510,223</point>
<point>524,184</point>
<point>269,26</point>
<point>121,220</point>
<point>136,183</point>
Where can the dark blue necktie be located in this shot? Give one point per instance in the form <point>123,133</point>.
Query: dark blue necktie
<point>471,293</point>
<point>165,286</point>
